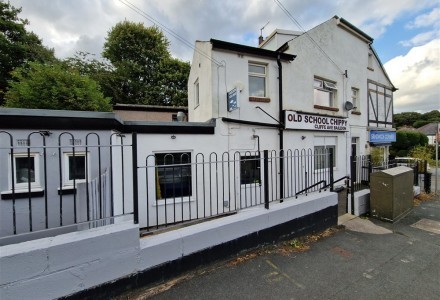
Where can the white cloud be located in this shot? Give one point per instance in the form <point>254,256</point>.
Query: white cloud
<point>429,19</point>
<point>417,76</point>
<point>421,38</point>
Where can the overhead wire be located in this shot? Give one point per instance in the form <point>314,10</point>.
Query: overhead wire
<point>294,20</point>
<point>167,30</point>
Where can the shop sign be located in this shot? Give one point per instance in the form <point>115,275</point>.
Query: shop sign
<point>294,120</point>
<point>382,137</point>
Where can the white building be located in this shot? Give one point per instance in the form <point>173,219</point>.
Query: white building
<point>325,88</point>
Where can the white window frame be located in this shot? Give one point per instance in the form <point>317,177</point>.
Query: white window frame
<point>355,98</point>
<point>258,75</point>
<point>179,198</point>
<point>325,142</point>
<point>25,185</point>
<point>69,182</point>
<point>196,93</point>
<point>321,85</point>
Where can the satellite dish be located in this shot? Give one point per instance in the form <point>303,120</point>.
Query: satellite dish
<point>348,105</point>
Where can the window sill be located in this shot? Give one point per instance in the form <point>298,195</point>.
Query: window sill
<point>259,99</point>
<point>356,113</point>
<point>22,194</point>
<point>67,190</point>
<point>326,108</point>
<point>172,201</point>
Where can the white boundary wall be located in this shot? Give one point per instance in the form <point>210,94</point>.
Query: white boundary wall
<point>59,266</point>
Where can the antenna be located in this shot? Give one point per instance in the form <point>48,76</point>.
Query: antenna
<point>261,30</point>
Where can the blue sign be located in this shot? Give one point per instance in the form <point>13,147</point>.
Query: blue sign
<point>232,99</point>
<point>382,137</point>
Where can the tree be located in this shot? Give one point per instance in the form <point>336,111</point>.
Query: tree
<point>144,71</point>
<point>407,140</point>
<point>53,87</point>
<point>17,46</point>
<point>406,119</point>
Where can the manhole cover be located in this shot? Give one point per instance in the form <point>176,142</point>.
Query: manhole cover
<point>428,225</point>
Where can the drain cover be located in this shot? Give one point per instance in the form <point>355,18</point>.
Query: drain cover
<point>428,225</point>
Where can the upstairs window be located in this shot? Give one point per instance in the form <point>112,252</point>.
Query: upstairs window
<point>355,99</point>
<point>257,80</point>
<point>324,93</point>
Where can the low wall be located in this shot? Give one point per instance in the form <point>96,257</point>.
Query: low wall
<point>105,261</point>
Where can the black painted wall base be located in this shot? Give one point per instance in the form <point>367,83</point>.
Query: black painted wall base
<point>315,222</point>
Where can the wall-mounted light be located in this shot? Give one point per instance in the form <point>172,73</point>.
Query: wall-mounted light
<point>173,137</point>
<point>303,137</point>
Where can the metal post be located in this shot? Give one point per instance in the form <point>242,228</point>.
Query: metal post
<point>331,169</point>
<point>266,178</point>
<point>135,178</point>
<point>352,180</point>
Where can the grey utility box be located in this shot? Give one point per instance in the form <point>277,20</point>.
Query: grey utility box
<point>391,193</point>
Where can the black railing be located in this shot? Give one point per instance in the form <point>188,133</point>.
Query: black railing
<point>361,168</point>
<point>52,180</point>
<point>184,186</point>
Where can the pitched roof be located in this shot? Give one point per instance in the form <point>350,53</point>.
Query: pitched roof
<point>429,129</point>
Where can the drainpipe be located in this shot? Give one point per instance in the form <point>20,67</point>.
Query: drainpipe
<point>281,129</point>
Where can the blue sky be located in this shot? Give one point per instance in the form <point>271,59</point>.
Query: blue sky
<point>406,32</point>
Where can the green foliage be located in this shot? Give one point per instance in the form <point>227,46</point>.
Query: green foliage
<point>426,152</point>
<point>47,86</point>
<point>407,140</point>
<point>420,123</point>
<point>17,46</point>
<point>415,119</point>
<point>144,71</point>
<point>406,119</point>
<point>377,156</point>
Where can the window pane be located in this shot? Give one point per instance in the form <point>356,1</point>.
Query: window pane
<point>257,86</point>
<point>175,180</point>
<point>257,69</point>
<point>250,170</point>
<point>77,167</point>
<point>317,83</point>
<point>323,98</point>
<point>24,166</point>
<point>322,156</point>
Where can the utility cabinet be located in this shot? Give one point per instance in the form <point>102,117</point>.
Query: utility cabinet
<point>391,193</point>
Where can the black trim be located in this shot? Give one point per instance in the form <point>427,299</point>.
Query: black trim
<point>250,123</point>
<point>67,191</point>
<point>73,120</point>
<point>314,222</point>
<point>217,44</point>
<point>22,195</point>
<point>355,29</point>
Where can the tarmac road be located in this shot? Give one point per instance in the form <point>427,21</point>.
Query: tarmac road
<point>368,259</point>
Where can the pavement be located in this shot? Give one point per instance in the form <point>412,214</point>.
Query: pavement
<point>363,259</point>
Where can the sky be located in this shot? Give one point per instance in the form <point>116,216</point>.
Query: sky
<point>406,32</point>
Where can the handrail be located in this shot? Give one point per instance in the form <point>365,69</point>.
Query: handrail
<point>308,188</point>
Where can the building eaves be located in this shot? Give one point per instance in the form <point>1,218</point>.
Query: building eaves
<point>354,29</point>
<point>217,44</point>
<point>153,108</point>
<point>42,119</point>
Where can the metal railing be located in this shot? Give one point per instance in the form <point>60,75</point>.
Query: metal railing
<point>54,180</point>
<point>182,187</point>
